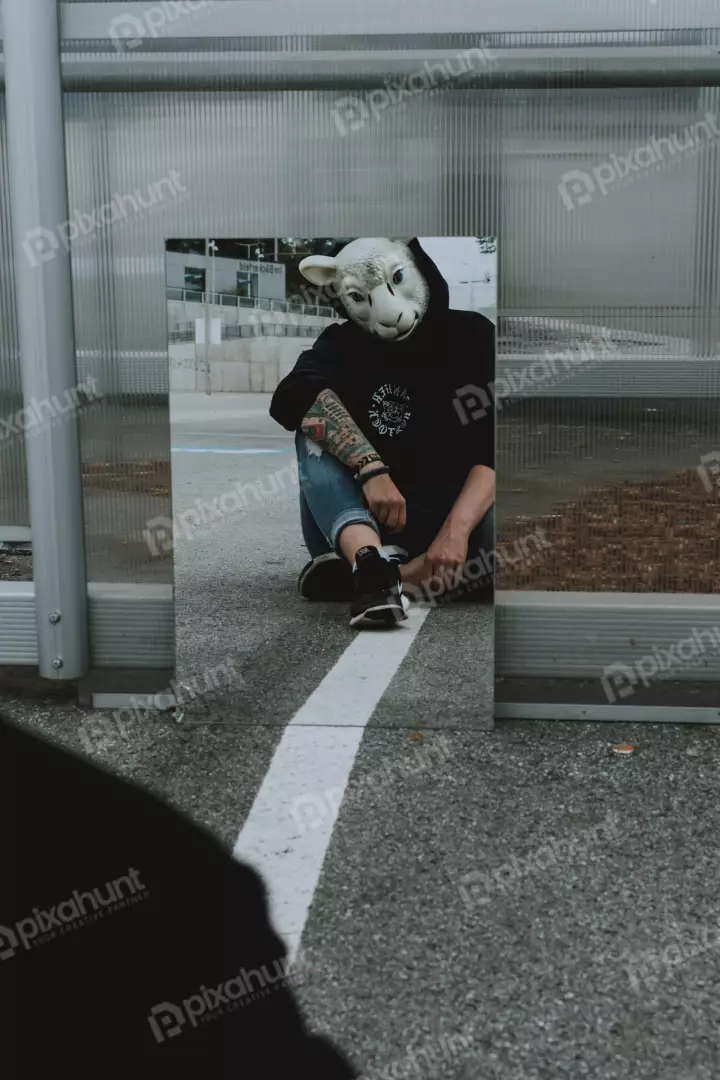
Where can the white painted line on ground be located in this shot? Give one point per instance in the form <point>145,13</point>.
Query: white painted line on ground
<point>214,450</point>
<point>237,435</point>
<point>316,755</point>
<point>348,694</point>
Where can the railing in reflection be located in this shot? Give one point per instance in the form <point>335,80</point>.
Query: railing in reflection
<point>231,300</point>
<point>249,330</point>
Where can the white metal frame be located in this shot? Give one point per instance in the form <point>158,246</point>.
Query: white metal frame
<point>654,62</point>
<point>538,634</point>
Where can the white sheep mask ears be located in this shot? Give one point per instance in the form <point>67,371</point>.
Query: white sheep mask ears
<point>378,283</point>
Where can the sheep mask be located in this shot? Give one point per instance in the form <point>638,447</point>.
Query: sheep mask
<point>378,283</point>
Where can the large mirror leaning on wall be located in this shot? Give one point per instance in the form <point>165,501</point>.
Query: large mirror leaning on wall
<point>333,456</point>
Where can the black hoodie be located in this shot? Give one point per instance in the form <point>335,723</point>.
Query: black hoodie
<point>132,944</point>
<point>418,401</point>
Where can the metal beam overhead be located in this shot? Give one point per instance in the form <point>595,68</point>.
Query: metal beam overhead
<point>241,18</point>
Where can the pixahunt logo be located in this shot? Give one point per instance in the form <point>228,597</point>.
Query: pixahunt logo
<point>71,914</point>
<point>130,31</point>
<point>31,421</point>
<point>352,113</point>
<point>620,680</point>
<point>167,1020</point>
<point>577,187</point>
<point>645,968</point>
<point>477,886</point>
<point>42,245</point>
<point>162,534</point>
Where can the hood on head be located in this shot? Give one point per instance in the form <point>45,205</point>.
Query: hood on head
<point>439,291</point>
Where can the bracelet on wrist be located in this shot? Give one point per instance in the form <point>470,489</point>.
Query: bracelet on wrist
<point>381,470</point>
<point>368,459</point>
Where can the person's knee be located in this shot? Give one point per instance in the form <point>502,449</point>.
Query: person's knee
<point>315,470</point>
<point>306,451</point>
<point>483,536</point>
<point>317,466</point>
<point>307,448</point>
<point>488,522</point>
<point>479,567</point>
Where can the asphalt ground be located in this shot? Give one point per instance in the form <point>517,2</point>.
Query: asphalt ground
<point>597,958</point>
<point>235,585</point>
<point>517,903</point>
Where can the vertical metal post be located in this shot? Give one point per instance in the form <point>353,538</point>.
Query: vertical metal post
<point>706,278</point>
<point>213,248</point>
<point>39,206</point>
<point>207,317</point>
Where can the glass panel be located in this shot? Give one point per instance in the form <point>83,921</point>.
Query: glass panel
<point>14,510</point>
<point>627,278</point>
<point>609,346</point>
<point>194,279</point>
<point>120,187</point>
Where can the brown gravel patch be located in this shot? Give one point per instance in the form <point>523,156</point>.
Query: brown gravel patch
<point>16,567</point>
<point>656,536</point>
<point>145,478</point>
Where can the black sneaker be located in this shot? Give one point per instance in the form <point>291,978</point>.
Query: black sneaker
<point>328,577</point>
<point>377,593</point>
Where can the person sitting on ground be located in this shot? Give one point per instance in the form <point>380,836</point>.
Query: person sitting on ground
<point>397,477</point>
<point>131,942</point>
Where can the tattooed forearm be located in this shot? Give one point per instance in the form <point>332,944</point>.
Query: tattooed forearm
<point>329,422</point>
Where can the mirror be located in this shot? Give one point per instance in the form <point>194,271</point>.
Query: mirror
<point>333,434</point>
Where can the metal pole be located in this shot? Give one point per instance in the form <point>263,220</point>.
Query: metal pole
<point>40,225</point>
<point>705,330</point>
<point>207,318</point>
<point>214,249</point>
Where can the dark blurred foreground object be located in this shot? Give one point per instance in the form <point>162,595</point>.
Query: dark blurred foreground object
<point>131,943</point>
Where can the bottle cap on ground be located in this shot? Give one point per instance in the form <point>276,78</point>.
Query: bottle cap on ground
<point>624,750</point>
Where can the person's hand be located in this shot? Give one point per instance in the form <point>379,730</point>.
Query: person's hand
<point>447,555</point>
<point>385,502</point>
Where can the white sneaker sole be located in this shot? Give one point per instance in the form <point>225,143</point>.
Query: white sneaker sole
<point>382,615</point>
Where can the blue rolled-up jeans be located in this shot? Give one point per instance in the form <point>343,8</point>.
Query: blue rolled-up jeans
<point>331,498</point>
